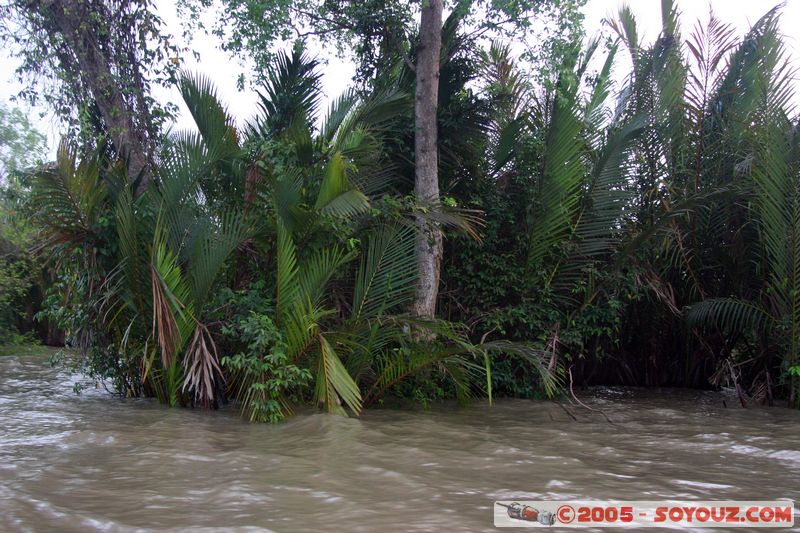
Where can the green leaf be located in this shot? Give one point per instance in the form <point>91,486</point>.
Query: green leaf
<point>334,382</point>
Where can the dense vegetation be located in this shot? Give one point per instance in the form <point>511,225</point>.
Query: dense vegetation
<point>646,234</point>
<point>22,278</point>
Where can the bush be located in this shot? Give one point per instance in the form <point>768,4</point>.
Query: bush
<point>265,374</point>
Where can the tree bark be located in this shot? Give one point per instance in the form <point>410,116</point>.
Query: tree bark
<point>426,182</point>
<point>73,19</point>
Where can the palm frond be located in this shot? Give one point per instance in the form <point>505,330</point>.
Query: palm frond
<point>290,94</point>
<point>564,171</point>
<point>334,383</point>
<point>201,365</point>
<point>777,201</point>
<point>373,115</point>
<point>338,111</point>
<point>731,315</point>
<point>287,272</point>
<point>550,374</point>
<point>397,365</point>
<point>315,272</point>
<point>387,275</point>
<point>334,182</point>
<point>626,29</point>
<point>708,45</point>
<point>595,113</point>
<point>467,221</point>
<point>172,311</point>
<point>215,124</point>
<point>133,258</point>
<point>211,250</point>
<point>609,192</point>
<point>337,197</point>
<point>506,83</point>
<point>286,199</point>
<point>347,204</point>
<point>68,196</point>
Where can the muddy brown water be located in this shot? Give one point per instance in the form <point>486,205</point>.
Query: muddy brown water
<point>97,463</point>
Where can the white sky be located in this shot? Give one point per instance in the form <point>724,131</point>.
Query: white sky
<point>337,74</point>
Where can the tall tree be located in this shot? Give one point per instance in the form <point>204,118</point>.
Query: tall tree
<point>426,172</point>
<point>99,59</point>
<point>72,19</point>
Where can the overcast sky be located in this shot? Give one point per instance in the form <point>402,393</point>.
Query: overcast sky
<point>337,74</point>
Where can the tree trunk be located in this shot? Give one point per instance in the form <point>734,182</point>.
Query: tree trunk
<point>426,183</point>
<point>73,19</point>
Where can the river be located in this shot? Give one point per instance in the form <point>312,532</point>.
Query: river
<point>93,462</point>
